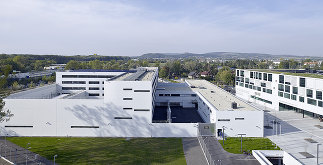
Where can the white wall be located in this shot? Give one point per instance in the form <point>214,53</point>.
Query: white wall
<point>314,84</point>
<point>54,117</point>
<point>252,124</point>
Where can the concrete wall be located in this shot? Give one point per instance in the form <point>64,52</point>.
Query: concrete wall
<point>250,123</point>
<point>54,117</point>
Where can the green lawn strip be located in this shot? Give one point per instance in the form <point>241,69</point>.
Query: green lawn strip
<point>76,150</point>
<point>233,144</point>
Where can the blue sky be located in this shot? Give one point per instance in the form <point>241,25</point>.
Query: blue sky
<point>135,27</point>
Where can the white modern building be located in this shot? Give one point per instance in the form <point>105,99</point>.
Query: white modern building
<point>282,89</point>
<point>101,103</point>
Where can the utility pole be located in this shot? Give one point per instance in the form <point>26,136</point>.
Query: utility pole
<point>241,141</point>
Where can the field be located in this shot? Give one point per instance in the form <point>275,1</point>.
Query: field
<point>72,150</point>
<point>233,144</point>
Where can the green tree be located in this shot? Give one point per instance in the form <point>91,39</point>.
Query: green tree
<point>31,84</point>
<point>15,86</point>
<point>72,65</point>
<point>164,72</point>
<point>225,76</point>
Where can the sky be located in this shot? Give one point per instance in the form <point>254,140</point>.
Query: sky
<point>135,27</point>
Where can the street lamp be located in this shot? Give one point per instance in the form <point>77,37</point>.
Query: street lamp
<point>26,151</point>
<point>317,154</point>
<point>241,141</point>
<point>54,158</point>
<point>223,135</point>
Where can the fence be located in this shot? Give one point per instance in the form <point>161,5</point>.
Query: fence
<point>19,155</point>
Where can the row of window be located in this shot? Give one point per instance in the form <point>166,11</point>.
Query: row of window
<point>139,90</point>
<point>238,118</point>
<point>261,76</point>
<point>81,82</point>
<point>270,91</point>
<point>300,99</point>
<point>309,92</point>
<point>81,88</point>
<point>88,76</point>
<point>302,82</point>
<point>177,95</point>
<point>261,99</point>
<point>136,109</point>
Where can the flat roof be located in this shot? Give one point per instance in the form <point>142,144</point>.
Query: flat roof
<point>292,72</point>
<point>219,98</point>
<point>174,87</point>
<point>141,74</point>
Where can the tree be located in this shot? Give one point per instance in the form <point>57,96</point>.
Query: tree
<point>226,76</point>
<point>31,84</point>
<point>15,86</point>
<point>164,72</point>
<point>72,65</point>
<point>5,115</point>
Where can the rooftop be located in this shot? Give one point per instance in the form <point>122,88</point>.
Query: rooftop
<point>218,97</point>
<point>293,72</point>
<point>141,74</point>
<point>171,87</point>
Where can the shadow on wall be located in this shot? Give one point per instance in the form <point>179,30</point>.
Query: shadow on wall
<point>103,116</point>
<point>285,127</point>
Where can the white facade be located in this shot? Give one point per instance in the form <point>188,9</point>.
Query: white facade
<point>281,91</point>
<point>124,107</point>
<point>91,81</point>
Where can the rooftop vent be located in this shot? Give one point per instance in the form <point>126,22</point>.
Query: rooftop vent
<point>234,105</point>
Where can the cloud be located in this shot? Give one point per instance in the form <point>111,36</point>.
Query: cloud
<point>136,27</point>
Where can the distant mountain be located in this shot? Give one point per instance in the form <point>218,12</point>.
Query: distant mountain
<point>219,55</point>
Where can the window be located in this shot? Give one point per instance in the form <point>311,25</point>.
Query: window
<point>250,86</point>
<point>161,94</point>
<point>94,88</point>
<point>177,95</point>
<point>263,84</point>
<point>280,87</point>
<point>281,79</point>
<point>127,89</point>
<point>270,77</point>
<point>223,119</point>
<point>238,73</point>
<point>239,118</point>
<point>260,76</point>
<point>127,98</point>
<point>302,82</point>
<point>141,90</point>
<point>309,93</point>
<point>127,108</point>
<point>319,95</point>
<point>320,104</point>
<point>242,73</point>
<point>19,126</point>
<point>311,101</point>
<point>265,76</point>
<point>73,82</point>
<point>301,99</point>
<point>122,117</point>
<point>193,95</point>
<point>94,94</point>
<point>280,94</point>
<point>295,90</point>
<point>256,75</point>
<point>246,85</point>
<point>264,89</point>
<point>287,95</point>
<point>84,126</point>
<point>73,88</point>
<point>94,82</point>
<point>251,74</point>
<point>69,76</point>
<point>293,97</point>
<point>287,88</point>
<point>247,80</point>
<point>258,88</point>
<point>269,91</point>
<point>141,109</point>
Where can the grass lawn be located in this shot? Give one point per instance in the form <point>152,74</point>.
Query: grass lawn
<point>77,150</point>
<point>233,144</point>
